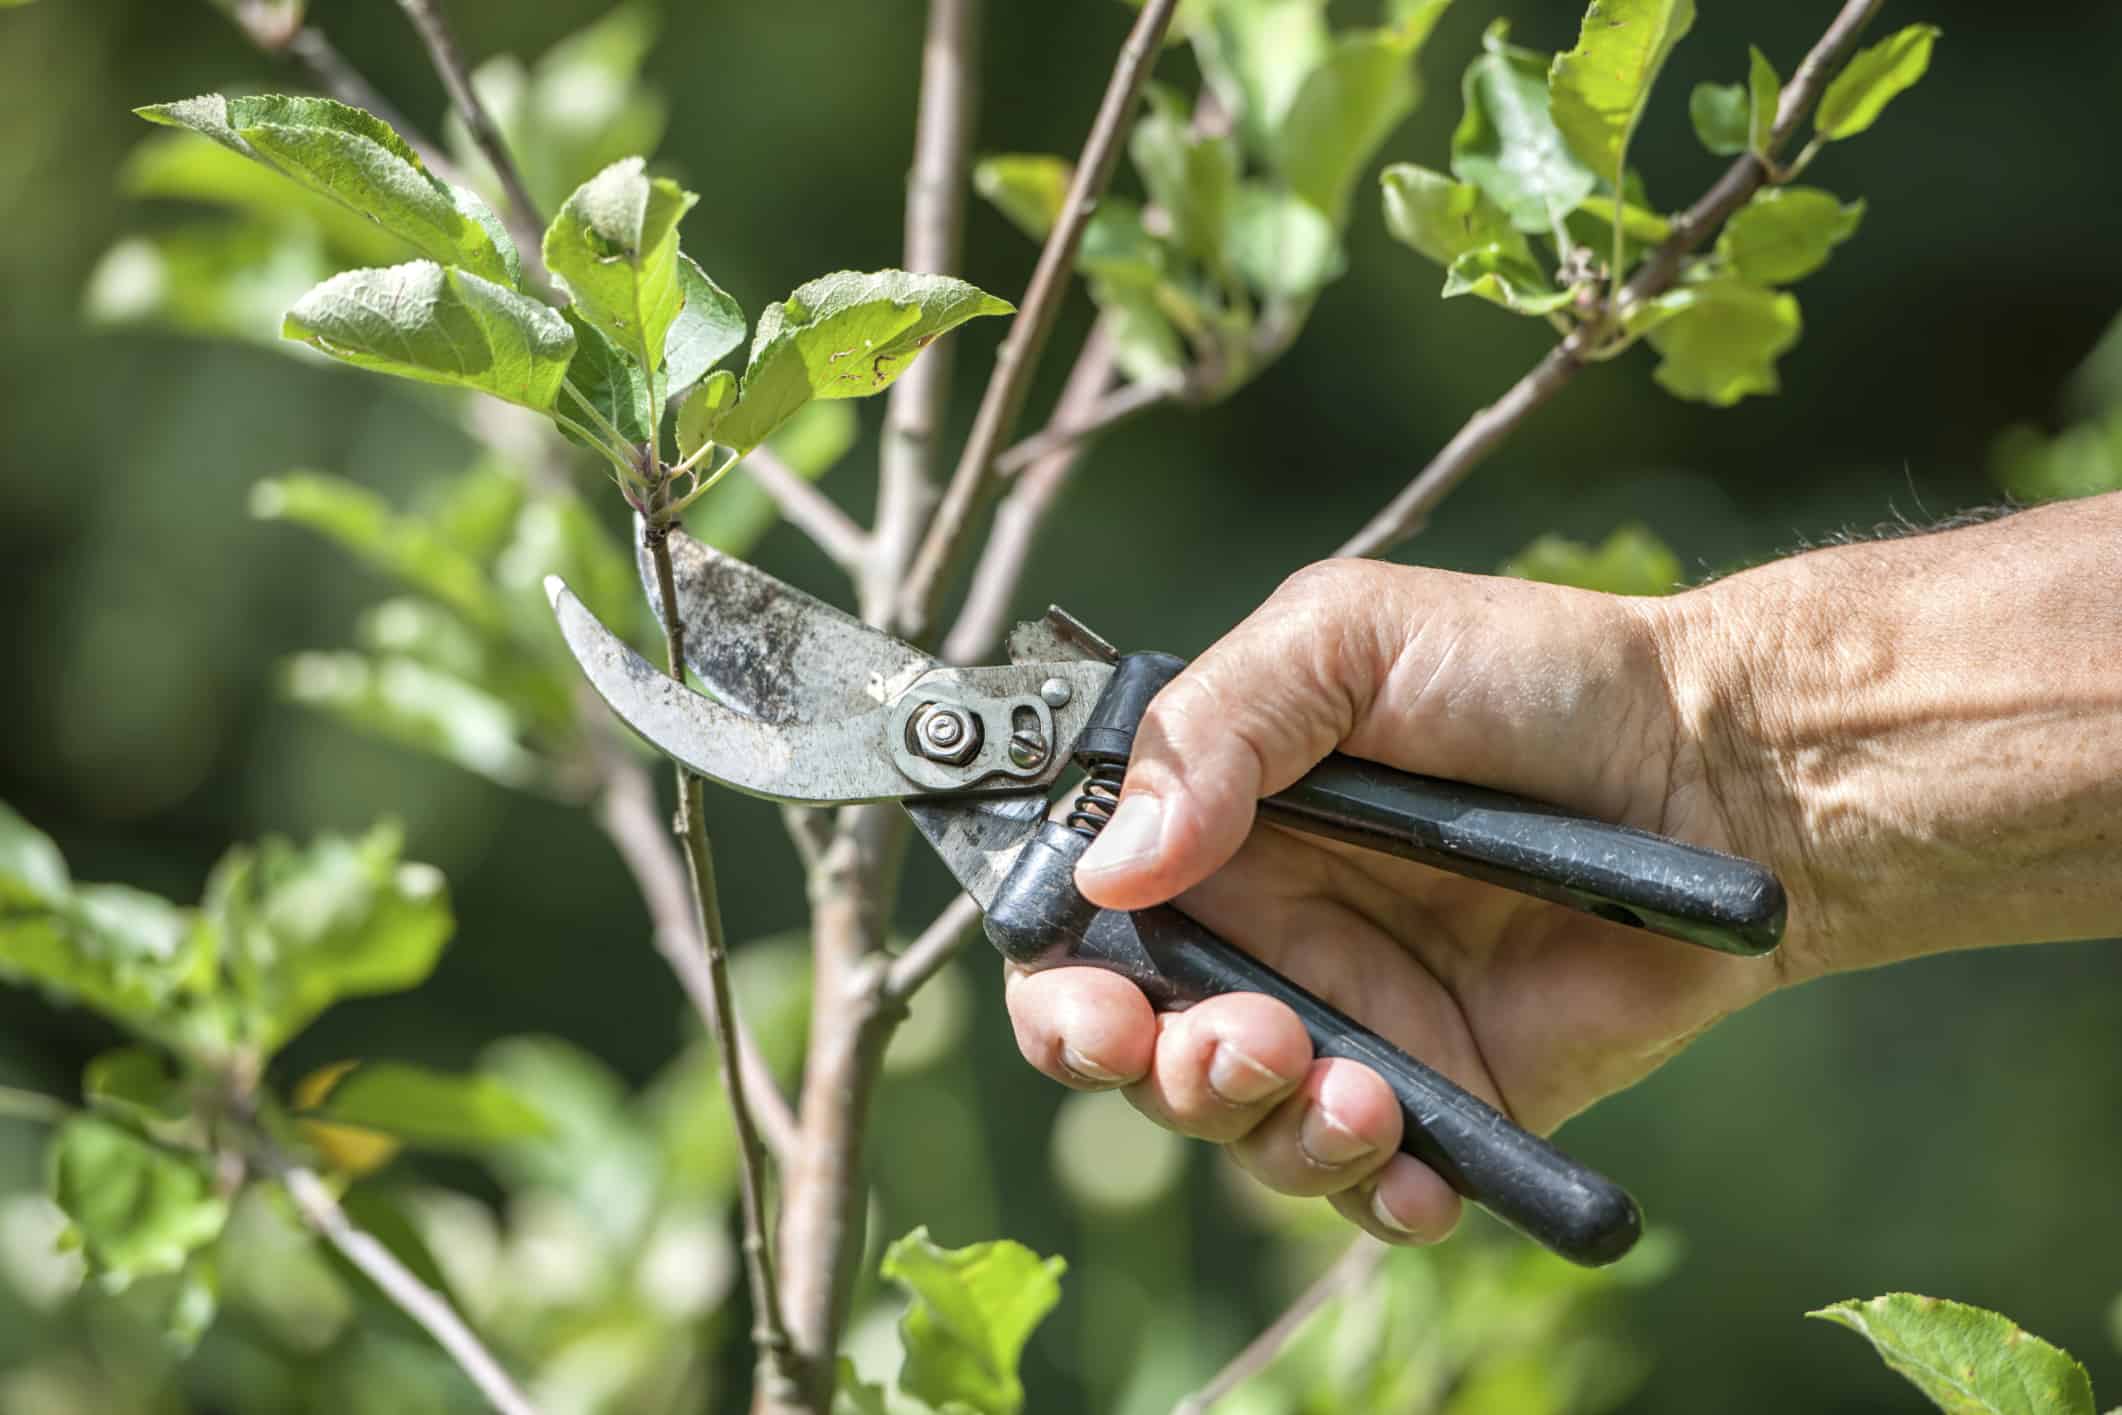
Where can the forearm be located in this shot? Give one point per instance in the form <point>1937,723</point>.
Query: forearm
<point>1923,735</point>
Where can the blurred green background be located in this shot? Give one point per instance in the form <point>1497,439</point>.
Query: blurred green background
<point>1949,1127</point>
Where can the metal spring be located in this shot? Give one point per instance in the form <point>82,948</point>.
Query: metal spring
<point>1095,803</point>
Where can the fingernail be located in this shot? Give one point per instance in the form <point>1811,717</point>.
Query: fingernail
<point>1328,1143</point>
<point>1128,839</point>
<point>1237,1079</point>
<point>1386,1218</point>
<point>1084,1068</point>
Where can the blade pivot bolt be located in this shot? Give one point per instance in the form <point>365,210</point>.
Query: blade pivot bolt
<point>1027,748</point>
<point>1056,693</point>
<point>943,732</point>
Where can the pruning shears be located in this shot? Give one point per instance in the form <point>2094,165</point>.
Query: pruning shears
<point>809,706</point>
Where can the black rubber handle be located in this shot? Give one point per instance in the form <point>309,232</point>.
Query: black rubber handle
<point>1630,876</point>
<point>1040,920</point>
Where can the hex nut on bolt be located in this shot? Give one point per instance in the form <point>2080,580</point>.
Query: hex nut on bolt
<point>944,733</point>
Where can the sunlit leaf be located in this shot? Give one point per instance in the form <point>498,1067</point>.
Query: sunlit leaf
<point>615,244</point>
<point>1720,115</point>
<point>613,384</point>
<point>1444,219</point>
<point>1501,278</point>
<point>973,1309</point>
<point>1026,187</point>
<point>135,1085</point>
<point>184,166</point>
<point>1282,246</point>
<point>1507,142</point>
<point>1873,79</point>
<point>1966,1360</point>
<point>1348,105</point>
<point>709,326</point>
<point>845,335</point>
<point>230,280</point>
<point>1598,89</point>
<point>439,325</point>
<point>737,513</point>
<point>700,415</point>
<point>300,927</point>
<point>418,706</point>
<point>137,1210</point>
<point>32,871</point>
<point>1785,233</point>
<point>354,158</point>
<point>1189,176</point>
<point>1118,249</point>
<point>2083,460</point>
<point>1720,339</point>
<point>1631,561</point>
<point>430,1109</point>
<point>404,547</point>
<point>1764,95</point>
<point>1254,55</point>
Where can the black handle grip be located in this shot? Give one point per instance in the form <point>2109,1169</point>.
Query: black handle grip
<point>1629,876</point>
<point>1039,919</point>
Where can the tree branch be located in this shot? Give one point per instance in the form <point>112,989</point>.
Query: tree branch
<point>808,509</point>
<point>1070,426</point>
<point>769,1327</point>
<point>935,230</point>
<point>1018,358</point>
<point>985,615</point>
<point>413,1297</point>
<point>629,815</point>
<point>1485,430</point>
<point>1348,1274</point>
<point>519,213</point>
<point>19,1104</point>
<point>936,946</point>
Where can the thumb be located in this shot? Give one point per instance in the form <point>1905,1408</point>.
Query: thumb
<point>1243,721</point>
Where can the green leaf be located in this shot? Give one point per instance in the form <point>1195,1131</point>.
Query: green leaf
<point>1254,55</point>
<point>1640,226</point>
<point>406,548</point>
<point>1720,115</point>
<point>700,415</point>
<point>1504,279</point>
<point>1873,79</point>
<point>1720,339</point>
<point>1507,143</point>
<point>1118,249</point>
<point>845,335</point>
<point>137,1210</point>
<point>32,871</point>
<point>1598,89</point>
<point>1444,219</point>
<point>1346,107</point>
<point>1631,561</point>
<point>431,1109</point>
<point>853,1395</point>
<point>357,160</point>
<point>225,280</point>
<point>301,927</point>
<point>738,513</point>
<point>1785,234</point>
<point>1281,245</point>
<point>1191,178</point>
<point>439,325</point>
<point>1966,1360</point>
<point>615,244</point>
<point>1145,345</point>
<point>2083,460</point>
<point>416,705</point>
<point>1026,187</point>
<point>1764,95</point>
<point>709,326</point>
<point>184,166</point>
<point>136,1086</point>
<point>973,1309</point>
<point>612,382</point>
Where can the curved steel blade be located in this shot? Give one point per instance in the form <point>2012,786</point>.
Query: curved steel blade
<point>768,649</point>
<point>802,762</point>
<point>980,840</point>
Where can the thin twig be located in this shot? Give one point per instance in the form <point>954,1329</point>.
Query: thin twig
<point>412,1296</point>
<point>1018,358</point>
<point>936,945</point>
<point>1407,512</point>
<point>630,816</point>
<point>769,1329</point>
<point>519,213</point>
<point>1003,559</point>
<point>808,509</point>
<point>1348,1274</point>
<point>1078,425</point>
<point>935,229</point>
